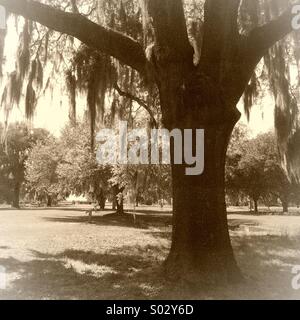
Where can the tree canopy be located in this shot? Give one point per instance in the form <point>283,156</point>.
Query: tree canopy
<point>14,150</point>
<point>254,170</point>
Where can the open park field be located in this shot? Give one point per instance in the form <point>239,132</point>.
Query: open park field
<point>56,254</point>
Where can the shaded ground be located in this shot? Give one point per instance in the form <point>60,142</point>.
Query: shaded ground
<point>56,254</point>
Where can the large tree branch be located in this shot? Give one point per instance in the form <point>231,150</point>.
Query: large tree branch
<point>252,48</point>
<point>169,25</point>
<point>263,38</point>
<point>220,35</point>
<point>113,43</point>
<point>141,102</point>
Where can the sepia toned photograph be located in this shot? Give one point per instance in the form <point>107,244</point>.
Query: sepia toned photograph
<point>149,151</point>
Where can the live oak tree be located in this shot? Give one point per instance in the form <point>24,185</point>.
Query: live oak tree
<point>201,56</point>
<point>14,150</point>
<point>235,152</point>
<point>12,157</point>
<point>78,171</point>
<point>41,170</point>
<point>145,184</point>
<point>278,184</point>
<point>254,169</point>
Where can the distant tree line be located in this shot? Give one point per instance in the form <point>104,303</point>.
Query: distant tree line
<point>15,146</point>
<point>254,172</point>
<point>39,168</point>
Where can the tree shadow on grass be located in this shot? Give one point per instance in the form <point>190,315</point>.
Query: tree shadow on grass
<point>248,213</point>
<point>75,274</point>
<point>235,224</point>
<point>127,220</point>
<point>166,235</point>
<point>267,260</point>
<point>67,209</point>
<point>106,220</point>
<point>136,273</point>
<point>166,223</point>
<point>157,212</point>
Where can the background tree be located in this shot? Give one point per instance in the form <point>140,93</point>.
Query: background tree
<point>279,184</point>
<point>254,169</point>
<point>146,184</point>
<point>78,171</point>
<point>17,143</point>
<point>158,184</point>
<point>251,172</point>
<point>235,152</point>
<point>41,171</point>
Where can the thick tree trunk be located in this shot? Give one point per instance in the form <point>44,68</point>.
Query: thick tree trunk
<point>250,205</point>
<point>49,201</point>
<point>255,201</point>
<point>118,201</point>
<point>201,248</point>
<point>114,203</point>
<point>102,204</point>
<point>16,196</point>
<point>101,199</point>
<point>120,206</point>
<point>285,205</point>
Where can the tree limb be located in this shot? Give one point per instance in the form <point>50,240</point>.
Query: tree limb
<point>138,100</point>
<point>111,42</point>
<point>263,38</point>
<point>252,48</point>
<point>169,25</point>
<point>220,35</point>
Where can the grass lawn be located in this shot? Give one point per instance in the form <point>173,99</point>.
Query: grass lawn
<point>56,254</point>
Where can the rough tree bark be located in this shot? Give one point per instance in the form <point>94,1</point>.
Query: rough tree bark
<point>193,97</point>
<point>285,204</point>
<point>255,201</point>
<point>120,206</point>
<point>114,203</point>
<point>16,196</point>
<point>101,199</point>
<point>201,247</point>
<point>102,203</point>
<point>49,201</point>
<point>118,200</point>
